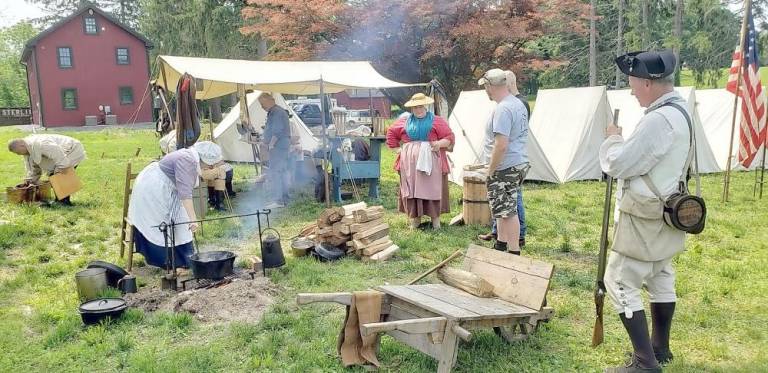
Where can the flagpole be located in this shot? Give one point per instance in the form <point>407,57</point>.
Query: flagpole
<point>762,166</point>
<point>727,180</point>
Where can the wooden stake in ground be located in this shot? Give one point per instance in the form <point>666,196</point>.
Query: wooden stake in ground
<point>727,177</point>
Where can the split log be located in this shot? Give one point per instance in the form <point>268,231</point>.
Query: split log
<point>324,231</point>
<point>362,227</point>
<point>349,219</point>
<point>349,209</point>
<point>467,281</point>
<point>372,234</point>
<point>340,228</point>
<point>371,213</point>
<point>358,245</point>
<point>369,217</point>
<point>382,255</point>
<point>328,217</point>
<point>334,240</point>
<point>308,230</point>
<point>457,220</point>
<point>373,249</point>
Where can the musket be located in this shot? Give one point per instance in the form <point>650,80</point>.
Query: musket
<point>597,332</point>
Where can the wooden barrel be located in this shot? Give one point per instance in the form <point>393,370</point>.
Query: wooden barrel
<point>43,192</point>
<point>476,208</point>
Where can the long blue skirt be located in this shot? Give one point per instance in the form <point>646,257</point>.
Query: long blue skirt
<point>156,255</point>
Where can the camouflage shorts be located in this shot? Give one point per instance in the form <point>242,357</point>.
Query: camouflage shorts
<point>503,187</point>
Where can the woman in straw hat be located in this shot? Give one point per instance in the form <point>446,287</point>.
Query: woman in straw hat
<point>422,138</point>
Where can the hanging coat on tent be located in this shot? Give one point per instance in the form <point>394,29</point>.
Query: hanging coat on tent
<point>187,123</point>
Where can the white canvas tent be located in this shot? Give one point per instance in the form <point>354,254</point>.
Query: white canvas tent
<point>715,107</point>
<point>219,77</point>
<point>569,125</point>
<point>225,134</point>
<point>630,113</point>
<point>468,120</point>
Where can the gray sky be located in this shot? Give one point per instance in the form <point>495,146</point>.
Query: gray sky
<point>13,11</point>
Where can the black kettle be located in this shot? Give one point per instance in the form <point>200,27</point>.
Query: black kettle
<point>271,251</point>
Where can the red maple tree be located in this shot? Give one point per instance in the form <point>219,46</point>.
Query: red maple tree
<point>454,41</point>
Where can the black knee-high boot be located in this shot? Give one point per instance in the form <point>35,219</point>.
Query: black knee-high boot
<point>219,203</point>
<point>211,196</point>
<point>661,318</point>
<point>643,359</point>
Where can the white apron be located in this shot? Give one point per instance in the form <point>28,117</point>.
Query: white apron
<point>153,201</point>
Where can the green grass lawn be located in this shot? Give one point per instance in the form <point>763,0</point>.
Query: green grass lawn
<point>720,326</point>
<point>686,78</point>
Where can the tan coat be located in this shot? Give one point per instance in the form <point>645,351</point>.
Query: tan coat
<point>51,154</point>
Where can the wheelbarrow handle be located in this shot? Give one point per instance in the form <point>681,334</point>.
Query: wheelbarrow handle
<point>341,298</point>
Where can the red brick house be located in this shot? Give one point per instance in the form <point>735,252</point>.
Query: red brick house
<point>359,99</point>
<point>86,60</point>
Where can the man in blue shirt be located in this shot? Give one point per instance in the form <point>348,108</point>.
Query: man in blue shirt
<point>277,140</point>
<point>506,135</point>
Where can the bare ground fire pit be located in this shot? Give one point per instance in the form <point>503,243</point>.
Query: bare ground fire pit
<point>243,299</point>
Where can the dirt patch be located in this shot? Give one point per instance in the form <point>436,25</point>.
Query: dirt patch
<point>244,299</point>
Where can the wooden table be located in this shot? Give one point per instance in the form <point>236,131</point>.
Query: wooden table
<point>433,318</point>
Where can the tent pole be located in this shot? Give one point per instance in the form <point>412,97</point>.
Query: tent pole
<point>727,179</point>
<point>254,147</point>
<point>325,144</point>
<point>165,85</point>
<point>370,105</point>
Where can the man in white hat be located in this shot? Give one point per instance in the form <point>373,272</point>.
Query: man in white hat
<point>506,135</point>
<point>49,154</point>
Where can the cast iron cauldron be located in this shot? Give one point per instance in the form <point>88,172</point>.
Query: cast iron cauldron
<point>212,265</point>
<point>92,312</point>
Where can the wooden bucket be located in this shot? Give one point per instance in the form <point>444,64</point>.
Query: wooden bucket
<point>476,207</point>
<point>17,195</point>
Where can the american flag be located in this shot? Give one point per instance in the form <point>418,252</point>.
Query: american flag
<point>752,129</point>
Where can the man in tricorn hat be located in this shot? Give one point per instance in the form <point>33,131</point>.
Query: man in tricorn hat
<point>653,157</point>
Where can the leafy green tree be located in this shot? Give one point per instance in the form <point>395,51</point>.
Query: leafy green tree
<point>13,79</point>
<point>197,28</point>
<point>126,11</point>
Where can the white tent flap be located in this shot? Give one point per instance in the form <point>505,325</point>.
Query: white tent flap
<point>715,108</point>
<point>233,149</point>
<point>219,77</point>
<point>569,125</point>
<point>630,114</point>
<point>468,120</point>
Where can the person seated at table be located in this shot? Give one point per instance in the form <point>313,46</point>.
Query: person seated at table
<point>216,173</point>
<point>422,138</point>
<point>162,193</point>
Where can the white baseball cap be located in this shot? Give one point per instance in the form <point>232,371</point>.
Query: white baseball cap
<point>493,77</point>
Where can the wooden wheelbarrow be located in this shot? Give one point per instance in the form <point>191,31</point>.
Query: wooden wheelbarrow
<point>433,318</point>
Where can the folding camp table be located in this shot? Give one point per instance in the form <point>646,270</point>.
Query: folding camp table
<point>433,318</point>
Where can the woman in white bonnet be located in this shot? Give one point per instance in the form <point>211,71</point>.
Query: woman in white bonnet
<point>162,193</point>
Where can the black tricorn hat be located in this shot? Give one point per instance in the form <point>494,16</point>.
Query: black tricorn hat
<point>647,64</point>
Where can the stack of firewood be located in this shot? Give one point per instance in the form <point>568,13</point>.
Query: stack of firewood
<point>359,228</point>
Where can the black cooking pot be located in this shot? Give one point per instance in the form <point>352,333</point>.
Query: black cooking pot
<point>93,311</point>
<point>212,265</point>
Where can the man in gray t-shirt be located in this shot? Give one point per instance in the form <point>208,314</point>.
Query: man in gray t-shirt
<point>506,135</point>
